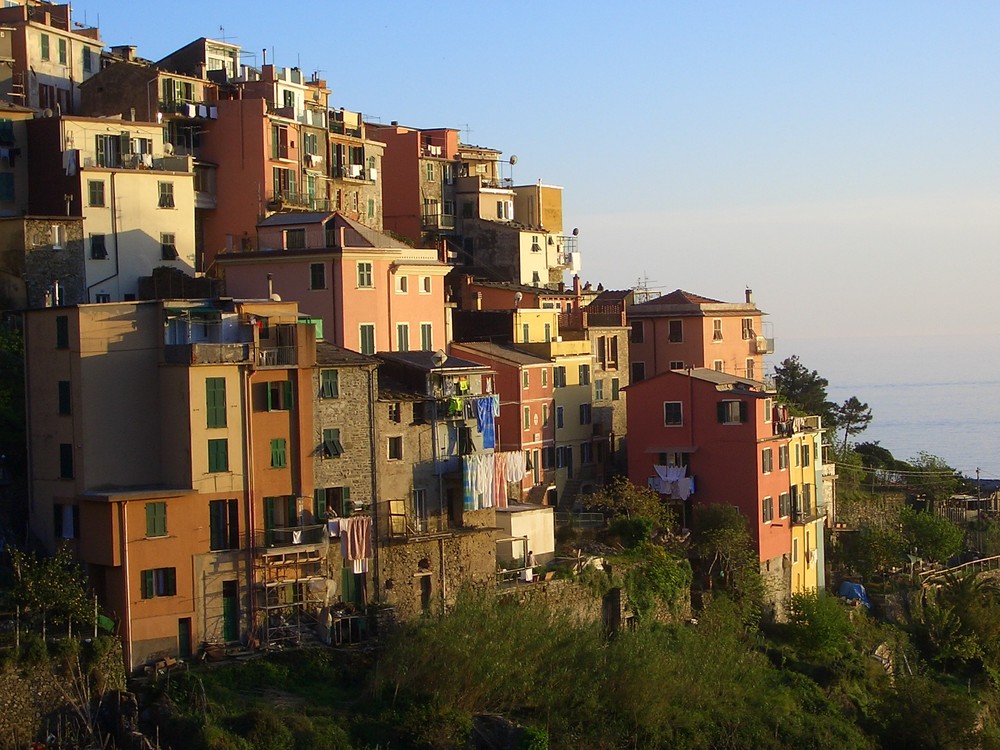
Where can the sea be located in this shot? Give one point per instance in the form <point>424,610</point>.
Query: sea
<point>939,394</point>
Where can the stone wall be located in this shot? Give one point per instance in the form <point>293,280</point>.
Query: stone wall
<point>777,574</point>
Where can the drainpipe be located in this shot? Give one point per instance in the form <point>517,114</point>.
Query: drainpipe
<point>248,485</point>
<point>127,607</point>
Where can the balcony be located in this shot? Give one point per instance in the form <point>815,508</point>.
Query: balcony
<point>438,221</point>
<point>282,539</point>
<point>276,356</point>
<point>207,354</point>
<point>581,320</point>
<point>294,199</point>
<point>191,110</point>
<point>556,348</point>
<point>802,516</point>
<point>174,163</point>
<point>763,345</point>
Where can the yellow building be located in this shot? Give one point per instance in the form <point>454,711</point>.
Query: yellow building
<point>803,457</point>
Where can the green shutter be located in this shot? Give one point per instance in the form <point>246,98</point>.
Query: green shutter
<point>743,411</point>
<point>217,523</point>
<point>156,519</point>
<point>270,396</point>
<point>215,402</point>
<point>170,581</point>
<point>234,523</point>
<point>218,455</point>
<point>330,385</point>
<point>319,503</point>
<point>345,497</point>
<point>720,412</point>
<point>287,388</point>
<point>147,584</point>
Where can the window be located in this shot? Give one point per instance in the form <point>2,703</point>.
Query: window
<point>367,338</point>
<point>62,51</point>
<point>615,389</point>
<point>676,365</point>
<point>331,500</point>
<point>218,455</point>
<point>223,524</point>
<point>65,460</point>
<point>638,334</point>
<point>168,246</point>
<point>66,521</point>
<point>807,499</point>
<point>784,505</point>
<point>95,193</point>
<point>584,374</point>
<point>599,389</point>
<point>396,448</point>
<point>585,414</point>
<point>159,582</point>
<point>798,453</point>
<point>805,454</point>
<point>102,298</point>
<point>98,247</point>
<point>586,453</point>
<point>62,332</point>
<point>58,236</point>
<point>371,208</point>
<point>673,413</point>
<point>748,332</point>
<point>6,186</point>
<point>86,60</point>
<point>783,457</point>
<point>548,457</point>
<point>64,398</point>
<point>215,402</point>
<point>559,377</point>
<point>766,460</point>
<point>402,337</point>
<point>795,551</point>
<point>279,457</point>
<point>295,239</point>
<point>638,371</point>
<point>425,284</point>
<point>525,333</point>
<point>525,379</point>
<point>288,99</point>
<point>675,331</point>
<point>395,412</point>
<point>156,519</point>
<point>332,447</point>
<point>545,377</point>
<point>559,417</point>
<point>317,276</point>
<point>45,46</point>
<point>767,510</point>
<point>548,332</point>
<point>731,412</point>
<point>768,409</point>
<point>166,190</point>
<point>426,337</point>
<point>719,365</point>
<point>365,275</point>
<point>430,172</point>
<point>717,329</point>
<point>545,415</point>
<point>527,417</point>
<point>329,384</point>
<point>279,395</point>
<point>279,143</point>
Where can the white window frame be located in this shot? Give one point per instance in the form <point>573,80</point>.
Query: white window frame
<point>365,274</point>
<point>402,337</point>
<point>402,284</point>
<point>426,286</point>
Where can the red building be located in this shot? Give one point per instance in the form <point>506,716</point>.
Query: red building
<point>719,428</point>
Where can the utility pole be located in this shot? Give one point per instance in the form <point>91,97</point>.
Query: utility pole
<point>979,509</point>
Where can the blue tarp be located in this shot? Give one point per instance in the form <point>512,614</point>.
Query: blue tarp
<point>850,590</point>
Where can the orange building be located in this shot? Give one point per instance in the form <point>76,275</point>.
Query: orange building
<point>171,446</point>
<point>680,330</point>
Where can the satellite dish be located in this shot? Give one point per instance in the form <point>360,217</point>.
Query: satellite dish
<point>438,358</point>
<point>168,148</point>
<point>513,160</point>
<point>46,112</point>
<point>576,231</point>
<point>275,297</point>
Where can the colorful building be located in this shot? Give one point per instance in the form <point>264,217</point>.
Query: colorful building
<point>372,292</point>
<point>680,330</point>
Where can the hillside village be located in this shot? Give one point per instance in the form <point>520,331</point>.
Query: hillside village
<point>285,363</point>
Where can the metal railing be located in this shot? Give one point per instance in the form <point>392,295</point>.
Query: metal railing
<point>581,520</point>
<point>973,566</point>
<point>291,536</point>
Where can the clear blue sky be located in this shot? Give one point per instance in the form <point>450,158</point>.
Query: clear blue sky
<point>843,159</point>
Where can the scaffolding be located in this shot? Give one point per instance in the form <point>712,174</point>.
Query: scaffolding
<point>290,590</point>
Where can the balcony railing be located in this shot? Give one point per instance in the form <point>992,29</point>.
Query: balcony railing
<point>763,345</point>
<point>803,515</point>
<point>291,536</point>
<point>276,356</point>
<point>296,199</point>
<point>438,221</point>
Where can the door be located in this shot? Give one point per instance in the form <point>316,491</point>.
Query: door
<point>230,611</point>
<point>184,638</point>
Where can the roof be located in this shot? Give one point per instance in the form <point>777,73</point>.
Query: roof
<point>680,297</point>
<point>284,219</point>
<point>680,303</point>
<point>611,296</point>
<point>503,353</point>
<point>722,380</point>
<point>516,287</point>
<point>328,353</point>
<point>423,361</point>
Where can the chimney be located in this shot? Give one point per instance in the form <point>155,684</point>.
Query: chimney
<point>576,283</point>
<point>270,286</point>
<point>263,59</point>
<point>749,295</point>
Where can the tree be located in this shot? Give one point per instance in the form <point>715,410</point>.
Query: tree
<point>932,477</point>
<point>929,535</point>
<point>721,538</point>
<point>52,589</point>
<point>819,624</point>
<point>853,417</point>
<point>803,390</point>
<point>620,498</point>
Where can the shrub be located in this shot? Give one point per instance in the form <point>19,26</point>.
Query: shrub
<point>631,531</point>
<point>33,649</point>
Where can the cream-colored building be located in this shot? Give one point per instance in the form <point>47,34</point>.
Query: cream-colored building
<point>137,201</point>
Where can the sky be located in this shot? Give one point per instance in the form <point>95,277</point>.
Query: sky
<point>842,159</point>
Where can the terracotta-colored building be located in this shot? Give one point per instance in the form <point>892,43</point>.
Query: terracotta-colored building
<point>681,329</point>
<point>171,446</point>
<point>372,292</point>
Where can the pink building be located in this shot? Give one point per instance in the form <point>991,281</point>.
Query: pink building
<point>719,429</point>
<point>373,293</point>
<point>525,385</point>
<point>681,329</point>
